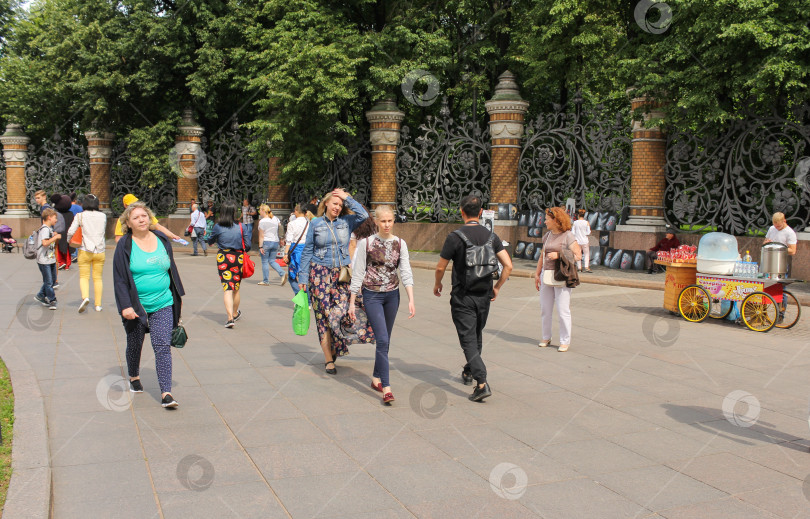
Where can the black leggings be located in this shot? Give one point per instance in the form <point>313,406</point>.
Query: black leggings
<point>160,332</point>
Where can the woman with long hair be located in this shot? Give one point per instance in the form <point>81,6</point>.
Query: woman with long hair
<point>294,243</point>
<point>325,253</point>
<point>148,294</point>
<point>553,292</point>
<point>93,224</point>
<point>269,226</point>
<point>379,257</point>
<point>233,241</point>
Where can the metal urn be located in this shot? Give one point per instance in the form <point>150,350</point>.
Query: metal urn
<point>774,260</point>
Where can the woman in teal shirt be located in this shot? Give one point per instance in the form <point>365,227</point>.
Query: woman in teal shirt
<point>148,294</point>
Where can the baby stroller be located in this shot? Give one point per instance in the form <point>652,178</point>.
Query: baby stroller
<point>6,240</point>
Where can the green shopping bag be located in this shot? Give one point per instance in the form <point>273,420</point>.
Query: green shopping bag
<point>301,313</point>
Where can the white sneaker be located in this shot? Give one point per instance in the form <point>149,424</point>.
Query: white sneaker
<point>98,309</point>
<point>83,306</point>
<point>262,283</point>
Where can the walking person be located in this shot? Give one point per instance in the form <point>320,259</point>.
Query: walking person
<point>129,198</point>
<point>470,297</point>
<point>65,219</point>
<point>582,229</point>
<point>148,294</point>
<point>294,244</point>
<point>248,215</point>
<point>46,257</point>
<point>199,226</point>
<point>233,242</point>
<point>553,292</point>
<point>91,254</point>
<point>377,260</point>
<point>325,253</point>
<point>268,244</point>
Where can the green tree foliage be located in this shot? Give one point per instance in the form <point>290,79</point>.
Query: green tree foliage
<point>301,74</point>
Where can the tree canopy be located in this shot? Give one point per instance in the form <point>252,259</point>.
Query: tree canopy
<point>302,74</point>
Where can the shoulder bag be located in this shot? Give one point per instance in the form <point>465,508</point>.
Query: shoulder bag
<point>76,239</point>
<point>179,336</point>
<point>247,264</point>
<point>287,256</point>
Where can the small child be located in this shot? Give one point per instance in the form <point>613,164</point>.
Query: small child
<point>46,258</point>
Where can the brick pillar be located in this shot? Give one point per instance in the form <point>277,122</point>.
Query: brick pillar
<point>189,157</point>
<point>507,110</point>
<point>385,119</point>
<point>648,169</point>
<point>15,152</point>
<point>278,195</point>
<point>99,148</point>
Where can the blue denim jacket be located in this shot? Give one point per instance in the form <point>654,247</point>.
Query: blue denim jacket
<point>229,237</point>
<point>320,244</point>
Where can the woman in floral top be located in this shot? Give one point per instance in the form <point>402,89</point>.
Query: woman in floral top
<point>375,272</point>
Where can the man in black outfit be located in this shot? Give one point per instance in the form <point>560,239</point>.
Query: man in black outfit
<point>470,309</point>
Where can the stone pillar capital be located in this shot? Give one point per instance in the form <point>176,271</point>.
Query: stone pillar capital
<point>651,110</point>
<point>99,146</point>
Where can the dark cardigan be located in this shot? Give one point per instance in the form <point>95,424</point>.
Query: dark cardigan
<point>126,295</point>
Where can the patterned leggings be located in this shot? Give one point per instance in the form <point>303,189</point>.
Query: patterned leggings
<point>160,331</point>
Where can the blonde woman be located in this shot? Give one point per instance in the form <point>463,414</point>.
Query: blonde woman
<point>268,244</point>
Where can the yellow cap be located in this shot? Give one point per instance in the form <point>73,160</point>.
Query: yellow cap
<point>129,198</point>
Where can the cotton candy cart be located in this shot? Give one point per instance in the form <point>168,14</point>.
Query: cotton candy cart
<point>763,303</point>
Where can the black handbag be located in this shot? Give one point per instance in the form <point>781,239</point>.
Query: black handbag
<point>179,336</point>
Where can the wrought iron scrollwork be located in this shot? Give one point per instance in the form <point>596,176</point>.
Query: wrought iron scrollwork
<point>583,155</point>
<point>230,171</point>
<point>58,166</point>
<point>3,185</point>
<point>736,178</point>
<point>351,171</point>
<point>436,169</point>
<point>162,199</point>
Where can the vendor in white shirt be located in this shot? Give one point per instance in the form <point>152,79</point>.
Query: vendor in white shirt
<point>782,233</point>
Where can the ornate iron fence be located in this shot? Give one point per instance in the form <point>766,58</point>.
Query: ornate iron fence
<point>735,179</point>
<point>58,166</point>
<point>229,170</point>
<point>3,185</point>
<point>125,179</point>
<point>583,155</point>
<point>437,168</point>
<point>351,172</point>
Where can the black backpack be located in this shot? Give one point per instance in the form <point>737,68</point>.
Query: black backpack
<point>481,262</point>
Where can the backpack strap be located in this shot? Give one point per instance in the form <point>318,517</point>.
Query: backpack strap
<point>464,238</point>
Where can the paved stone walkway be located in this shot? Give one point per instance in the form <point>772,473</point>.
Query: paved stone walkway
<point>647,415</point>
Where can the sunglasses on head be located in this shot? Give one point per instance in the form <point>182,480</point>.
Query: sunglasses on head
<point>550,215</point>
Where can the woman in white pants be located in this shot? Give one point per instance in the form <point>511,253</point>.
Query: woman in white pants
<point>581,229</point>
<point>552,292</point>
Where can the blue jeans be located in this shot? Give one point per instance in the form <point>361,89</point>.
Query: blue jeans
<point>249,228</point>
<point>48,276</point>
<point>200,232</point>
<point>269,260</point>
<point>381,309</point>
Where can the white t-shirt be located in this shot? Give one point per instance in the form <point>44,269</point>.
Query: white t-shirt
<point>581,230</point>
<point>46,253</point>
<point>786,235</point>
<point>269,228</point>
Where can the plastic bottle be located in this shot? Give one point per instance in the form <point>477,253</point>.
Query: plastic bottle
<point>747,257</point>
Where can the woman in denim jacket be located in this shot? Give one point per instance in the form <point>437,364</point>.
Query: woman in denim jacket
<point>326,250</point>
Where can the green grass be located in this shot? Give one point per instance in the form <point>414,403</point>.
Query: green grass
<point>6,422</point>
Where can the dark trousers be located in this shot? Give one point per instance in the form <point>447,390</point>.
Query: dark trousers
<point>651,257</point>
<point>48,272</point>
<point>381,309</point>
<point>470,316</point>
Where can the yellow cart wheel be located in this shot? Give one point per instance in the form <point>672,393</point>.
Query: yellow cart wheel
<point>759,311</point>
<point>789,311</point>
<point>694,303</point>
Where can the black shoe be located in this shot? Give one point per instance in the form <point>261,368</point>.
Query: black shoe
<point>466,377</point>
<point>332,371</point>
<point>168,401</point>
<point>42,300</point>
<point>480,393</point>
<point>649,271</point>
<point>135,386</point>
<point>229,324</point>
<point>237,316</point>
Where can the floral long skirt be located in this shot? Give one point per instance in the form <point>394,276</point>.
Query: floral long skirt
<point>330,301</point>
